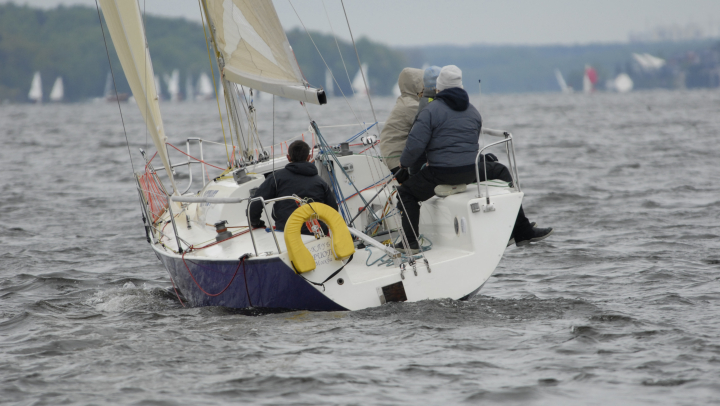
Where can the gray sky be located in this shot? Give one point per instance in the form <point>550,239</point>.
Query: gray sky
<point>463,22</point>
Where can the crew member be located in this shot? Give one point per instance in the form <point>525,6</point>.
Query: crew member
<point>395,132</point>
<point>299,178</point>
<point>447,131</point>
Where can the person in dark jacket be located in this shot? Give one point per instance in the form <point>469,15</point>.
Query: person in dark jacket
<point>300,178</point>
<point>447,131</point>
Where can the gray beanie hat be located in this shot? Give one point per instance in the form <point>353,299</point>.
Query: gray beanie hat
<point>450,76</point>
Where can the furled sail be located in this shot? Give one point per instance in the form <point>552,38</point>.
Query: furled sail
<point>124,22</point>
<point>255,50</point>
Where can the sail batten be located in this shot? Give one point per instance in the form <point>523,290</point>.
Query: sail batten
<point>255,50</point>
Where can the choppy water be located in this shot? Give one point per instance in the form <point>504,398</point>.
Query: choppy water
<point>619,306</point>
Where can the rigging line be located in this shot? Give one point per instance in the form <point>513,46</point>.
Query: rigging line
<point>326,65</point>
<point>127,142</point>
<point>359,64</point>
<point>273,143</point>
<point>338,47</point>
<point>145,67</point>
<point>212,72</point>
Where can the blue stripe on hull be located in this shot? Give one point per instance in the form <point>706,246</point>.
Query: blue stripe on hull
<point>270,284</point>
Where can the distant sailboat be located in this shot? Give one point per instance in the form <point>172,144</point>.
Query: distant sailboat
<point>589,79</point>
<point>358,84</point>
<point>329,84</point>
<point>205,88</point>
<point>172,82</point>
<point>561,82</point>
<point>36,93</point>
<point>58,90</point>
<point>109,94</point>
<point>189,89</point>
<point>621,84</point>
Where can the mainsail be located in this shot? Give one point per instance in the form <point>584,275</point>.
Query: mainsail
<point>255,51</point>
<point>58,90</point>
<point>36,93</point>
<point>125,24</point>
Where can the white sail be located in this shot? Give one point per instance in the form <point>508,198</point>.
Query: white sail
<point>205,88</point>
<point>36,93</point>
<point>255,50</point>
<point>358,84</point>
<point>189,88</point>
<point>623,83</point>
<point>396,90</point>
<point>125,25</point>
<point>173,85</point>
<point>561,82</point>
<point>58,90</point>
<point>329,84</point>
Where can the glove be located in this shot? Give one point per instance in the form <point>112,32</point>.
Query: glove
<point>402,175</point>
<point>258,224</point>
<point>491,158</point>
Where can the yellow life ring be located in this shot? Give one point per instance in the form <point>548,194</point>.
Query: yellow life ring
<point>300,256</point>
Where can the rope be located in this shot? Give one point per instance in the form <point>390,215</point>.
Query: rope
<point>242,261</point>
<point>359,63</point>
<point>212,72</point>
<point>127,142</point>
<point>327,66</point>
<point>199,160</point>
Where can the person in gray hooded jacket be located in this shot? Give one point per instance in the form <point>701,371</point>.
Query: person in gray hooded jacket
<point>447,131</point>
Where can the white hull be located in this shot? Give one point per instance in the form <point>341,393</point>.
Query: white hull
<point>459,262</point>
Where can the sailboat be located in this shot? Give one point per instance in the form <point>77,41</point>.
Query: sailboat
<point>359,84</point>
<point>561,82</point>
<point>590,78</point>
<point>58,90</point>
<point>109,93</point>
<point>205,88</point>
<point>204,240</point>
<point>329,84</point>
<point>172,82</point>
<point>36,93</point>
<point>189,88</point>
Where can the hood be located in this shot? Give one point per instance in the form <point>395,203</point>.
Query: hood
<point>410,82</point>
<point>302,168</point>
<point>455,97</point>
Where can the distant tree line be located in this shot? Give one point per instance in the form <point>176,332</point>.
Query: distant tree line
<point>68,42</point>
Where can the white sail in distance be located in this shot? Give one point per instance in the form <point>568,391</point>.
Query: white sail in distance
<point>205,88</point>
<point>358,84</point>
<point>124,22</point>
<point>58,90</point>
<point>561,82</point>
<point>173,85</point>
<point>255,51</point>
<point>189,88</point>
<point>36,93</point>
<point>329,84</point>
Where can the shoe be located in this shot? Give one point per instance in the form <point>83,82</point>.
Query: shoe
<point>447,190</point>
<point>512,238</point>
<point>539,234</point>
<point>414,248</point>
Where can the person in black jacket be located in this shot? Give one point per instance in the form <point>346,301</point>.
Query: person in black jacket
<point>300,178</point>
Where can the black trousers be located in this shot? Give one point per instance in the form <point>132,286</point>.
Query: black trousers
<point>421,187</point>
